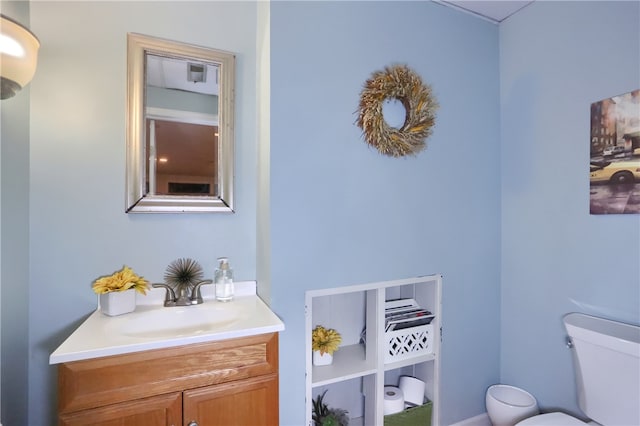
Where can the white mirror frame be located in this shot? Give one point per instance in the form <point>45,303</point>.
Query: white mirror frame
<point>137,200</point>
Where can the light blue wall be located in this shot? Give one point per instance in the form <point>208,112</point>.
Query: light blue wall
<point>343,214</point>
<point>14,232</point>
<point>181,100</point>
<point>78,228</point>
<point>340,212</point>
<point>556,58</point>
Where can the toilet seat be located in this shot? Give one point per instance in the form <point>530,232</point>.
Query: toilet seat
<point>551,419</point>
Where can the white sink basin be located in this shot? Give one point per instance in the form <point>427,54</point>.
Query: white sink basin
<point>160,322</point>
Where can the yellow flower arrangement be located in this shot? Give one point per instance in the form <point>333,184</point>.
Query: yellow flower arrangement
<point>325,340</point>
<point>121,280</point>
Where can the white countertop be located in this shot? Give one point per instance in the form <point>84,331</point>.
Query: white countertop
<point>143,329</point>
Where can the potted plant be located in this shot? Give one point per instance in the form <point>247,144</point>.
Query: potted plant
<point>322,415</point>
<point>117,291</point>
<point>324,342</point>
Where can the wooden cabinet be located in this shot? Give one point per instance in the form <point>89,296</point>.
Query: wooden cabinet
<point>368,358</point>
<point>230,382</point>
<point>154,411</point>
<point>250,402</point>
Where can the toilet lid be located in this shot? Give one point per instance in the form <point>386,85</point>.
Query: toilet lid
<point>551,419</point>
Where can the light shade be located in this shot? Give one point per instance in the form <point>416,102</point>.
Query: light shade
<point>18,56</point>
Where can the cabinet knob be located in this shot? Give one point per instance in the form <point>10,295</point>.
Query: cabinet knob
<point>193,423</point>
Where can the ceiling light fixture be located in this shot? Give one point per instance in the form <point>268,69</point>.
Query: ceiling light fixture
<point>18,56</point>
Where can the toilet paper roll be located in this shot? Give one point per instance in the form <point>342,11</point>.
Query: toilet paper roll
<point>393,400</point>
<point>412,389</point>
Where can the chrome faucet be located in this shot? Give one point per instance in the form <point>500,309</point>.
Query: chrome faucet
<point>196,296</point>
<point>170,295</point>
<point>182,298</point>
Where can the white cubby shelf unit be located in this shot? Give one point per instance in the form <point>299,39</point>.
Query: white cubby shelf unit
<point>359,372</point>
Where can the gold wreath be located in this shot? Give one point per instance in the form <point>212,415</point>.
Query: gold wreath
<point>401,83</point>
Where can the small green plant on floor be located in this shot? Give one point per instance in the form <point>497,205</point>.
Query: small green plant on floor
<point>325,416</point>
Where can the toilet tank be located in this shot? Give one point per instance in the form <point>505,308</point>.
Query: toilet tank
<point>607,364</point>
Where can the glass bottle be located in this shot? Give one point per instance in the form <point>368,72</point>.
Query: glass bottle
<point>224,281</point>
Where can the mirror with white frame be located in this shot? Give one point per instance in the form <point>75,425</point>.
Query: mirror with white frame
<point>180,127</point>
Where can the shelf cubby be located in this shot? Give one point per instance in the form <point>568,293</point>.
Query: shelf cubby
<point>359,372</point>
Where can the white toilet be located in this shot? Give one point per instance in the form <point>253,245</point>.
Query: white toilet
<point>507,405</point>
<point>607,363</point>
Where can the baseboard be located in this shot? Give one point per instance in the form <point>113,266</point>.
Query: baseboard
<point>479,420</point>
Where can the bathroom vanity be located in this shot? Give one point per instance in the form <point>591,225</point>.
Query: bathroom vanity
<point>210,364</point>
<point>226,382</point>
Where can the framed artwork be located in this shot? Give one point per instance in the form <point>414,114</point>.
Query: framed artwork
<point>614,176</point>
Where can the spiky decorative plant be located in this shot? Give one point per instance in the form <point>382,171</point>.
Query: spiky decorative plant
<point>322,415</point>
<point>183,274</point>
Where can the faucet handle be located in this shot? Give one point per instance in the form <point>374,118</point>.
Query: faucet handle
<point>196,295</point>
<point>169,296</point>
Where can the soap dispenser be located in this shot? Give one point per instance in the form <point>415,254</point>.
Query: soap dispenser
<point>224,280</point>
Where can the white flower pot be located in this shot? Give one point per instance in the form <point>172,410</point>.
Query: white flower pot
<point>322,359</point>
<point>118,302</point>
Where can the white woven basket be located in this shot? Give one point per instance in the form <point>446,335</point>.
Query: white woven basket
<point>408,343</point>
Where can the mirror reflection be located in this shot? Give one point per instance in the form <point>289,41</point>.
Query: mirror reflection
<point>182,158</point>
<point>180,141</point>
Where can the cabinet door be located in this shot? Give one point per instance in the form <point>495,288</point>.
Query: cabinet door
<point>159,410</point>
<point>249,402</point>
